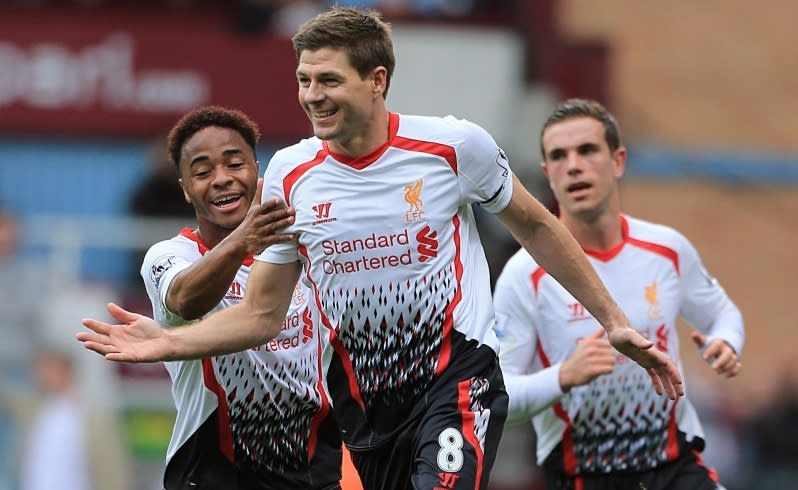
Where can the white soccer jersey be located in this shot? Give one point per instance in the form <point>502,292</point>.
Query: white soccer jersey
<point>617,422</point>
<point>271,397</point>
<point>394,258</point>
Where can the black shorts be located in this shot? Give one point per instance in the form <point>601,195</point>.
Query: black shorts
<point>200,464</point>
<point>455,433</point>
<point>687,472</point>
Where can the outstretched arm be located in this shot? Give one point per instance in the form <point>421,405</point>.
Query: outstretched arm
<point>554,249</point>
<point>198,289</point>
<point>254,321</point>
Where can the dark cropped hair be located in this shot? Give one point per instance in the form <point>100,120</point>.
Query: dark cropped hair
<point>362,33</point>
<point>572,108</point>
<point>207,116</point>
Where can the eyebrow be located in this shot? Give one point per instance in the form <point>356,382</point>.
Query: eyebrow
<point>226,153</point>
<point>328,73</point>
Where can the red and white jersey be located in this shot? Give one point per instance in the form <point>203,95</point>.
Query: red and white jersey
<point>617,422</point>
<point>270,399</point>
<point>393,256</point>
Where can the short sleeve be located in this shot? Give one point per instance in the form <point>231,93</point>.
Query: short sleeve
<point>483,170</point>
<point>273,177</point>
<point>161,265</point>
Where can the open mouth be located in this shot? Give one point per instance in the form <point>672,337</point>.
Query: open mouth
<point>226,202</point>
<point>579,186</point>
<point>579,190</point>
<point>324,114</point>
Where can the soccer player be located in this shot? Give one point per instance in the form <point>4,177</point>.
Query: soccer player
<point>597,425</point>
<point>386,233</point>
<point>260,418</point>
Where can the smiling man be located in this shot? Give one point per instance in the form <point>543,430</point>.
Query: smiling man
<point>258,419</point>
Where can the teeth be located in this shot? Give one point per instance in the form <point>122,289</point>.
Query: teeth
<point>225,200</point>
<point>325,113</point>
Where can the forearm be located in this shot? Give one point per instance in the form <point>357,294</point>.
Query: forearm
<point>728,326</point>
<point>200,288</point>
<point>530,394</point>
<point>233,329</point>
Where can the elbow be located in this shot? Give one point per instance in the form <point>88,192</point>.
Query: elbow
<point>189,310</point>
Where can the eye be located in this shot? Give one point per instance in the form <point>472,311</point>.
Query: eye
<point>587,149</point>
<point>236,164</point>
<point>303,81</point>
<point>556,155</point>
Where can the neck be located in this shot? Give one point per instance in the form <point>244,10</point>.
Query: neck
<point>375,134</point>
<point>211,235</point>
<point>601,232</point>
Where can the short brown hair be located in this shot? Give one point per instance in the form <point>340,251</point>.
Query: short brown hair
<point>572,108</point>
<point>207,116</point>
<point>362,33</point>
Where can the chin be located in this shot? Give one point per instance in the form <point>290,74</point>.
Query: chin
<point>324,135</point>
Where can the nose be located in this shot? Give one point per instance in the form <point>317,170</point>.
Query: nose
<point>573,163</point>
<point>313,93</point>
<point>221,177</point>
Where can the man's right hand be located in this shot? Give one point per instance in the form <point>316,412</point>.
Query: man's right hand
<point>592,357</point>
<point>262,224</point>
<point>137,339</point>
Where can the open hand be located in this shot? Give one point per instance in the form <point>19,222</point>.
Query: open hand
<point>136,339</point>
<point>660,368</point>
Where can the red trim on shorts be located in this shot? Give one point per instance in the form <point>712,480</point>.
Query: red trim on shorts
<point>299,171</point>
<point>606,255</point>
<point>448,321</point>
<point>536,277</point>
<point>225,434</point>
<point>469,431</point>
<point>359,163</point>
<point>672,449</point>
<point>579,483</point>
<point>204,248</point>
<point>324,409</point>
<point>568,453</point>
<point>713,475</point>
<point>338,347</point>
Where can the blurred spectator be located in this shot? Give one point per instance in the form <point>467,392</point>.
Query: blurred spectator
<point>21,283</point>
<point>155,195</point>
<point>55,453</point>
<point>774,434</point>
<point>18,321</point>
<point>69,443</point>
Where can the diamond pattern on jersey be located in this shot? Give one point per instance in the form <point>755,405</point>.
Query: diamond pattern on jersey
<point>393,333</point>
<point>619,424</point>
<point>270,423</point>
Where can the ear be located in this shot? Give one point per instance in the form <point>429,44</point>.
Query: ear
<point>379,80</point>
<point>619,162</point>
<point>183,188</point>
